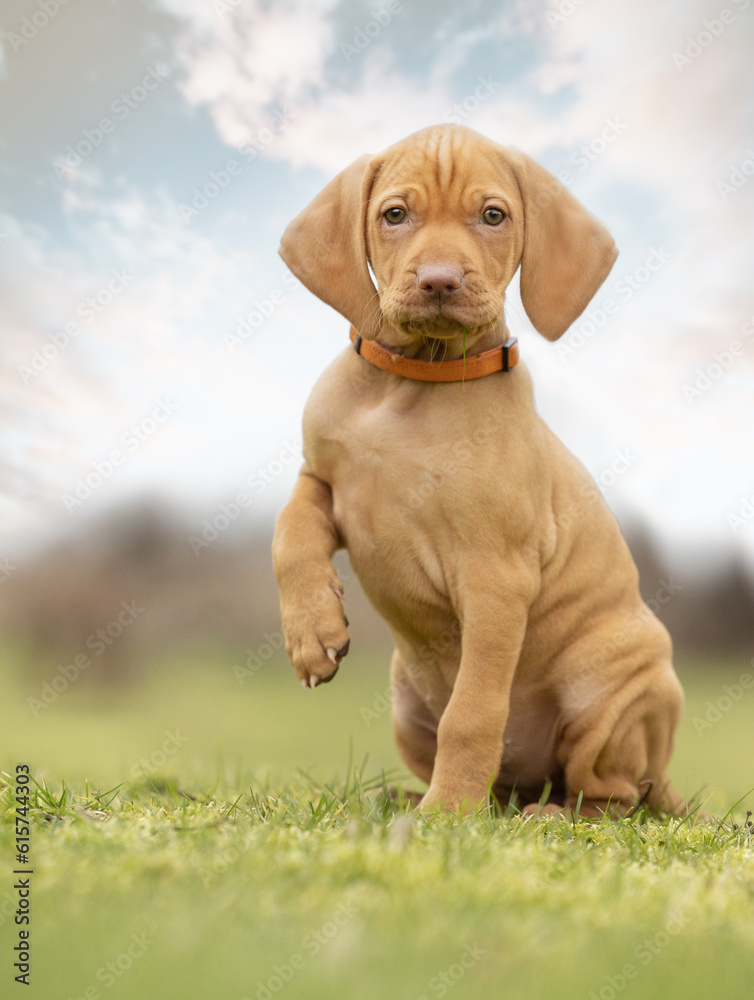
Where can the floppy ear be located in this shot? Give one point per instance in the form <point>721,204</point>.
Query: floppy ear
<point>325,247</point>
<point>567,251</point>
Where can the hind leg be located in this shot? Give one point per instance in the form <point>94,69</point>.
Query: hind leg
<point>615,753</point>
<point>415,731</point>
<point>414,727</point>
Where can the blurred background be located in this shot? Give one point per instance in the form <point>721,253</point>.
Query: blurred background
<point>155,355</point>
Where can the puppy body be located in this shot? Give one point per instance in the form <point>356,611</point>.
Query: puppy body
<point>524,655</point>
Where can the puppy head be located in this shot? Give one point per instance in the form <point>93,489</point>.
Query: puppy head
<point>444,218</point>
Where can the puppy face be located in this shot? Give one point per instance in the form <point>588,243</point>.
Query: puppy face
<point>444,218</point>
<point>444,233</point>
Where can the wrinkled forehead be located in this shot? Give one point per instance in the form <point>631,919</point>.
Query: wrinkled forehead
<point>446,164</point>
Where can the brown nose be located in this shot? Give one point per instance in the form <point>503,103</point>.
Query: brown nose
<point>439,281</point>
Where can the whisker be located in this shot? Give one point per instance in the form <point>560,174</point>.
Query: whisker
<point>374,309</point>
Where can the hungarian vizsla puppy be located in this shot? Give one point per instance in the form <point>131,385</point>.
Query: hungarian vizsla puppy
<point>525,660</point>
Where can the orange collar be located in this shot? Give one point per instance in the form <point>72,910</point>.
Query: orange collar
<point>498,359</point>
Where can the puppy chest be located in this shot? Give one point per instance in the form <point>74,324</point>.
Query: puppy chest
<point>397,476</point>
<point>402,504</point>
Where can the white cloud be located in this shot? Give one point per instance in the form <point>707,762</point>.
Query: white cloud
<point>682,132</point>
<point>657,182</point>
<point>245,63</point>
<point>159,336</point>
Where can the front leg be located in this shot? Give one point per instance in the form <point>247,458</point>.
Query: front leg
<point>470,732</point>
<point>311,594</point>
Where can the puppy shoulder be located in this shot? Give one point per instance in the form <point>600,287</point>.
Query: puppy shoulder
<point>333,394</point>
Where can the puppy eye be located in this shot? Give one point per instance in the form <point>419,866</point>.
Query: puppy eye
<point>394,216</point>
<point>493,216</point>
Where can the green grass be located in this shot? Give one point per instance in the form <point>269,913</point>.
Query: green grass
<point>230,873</point>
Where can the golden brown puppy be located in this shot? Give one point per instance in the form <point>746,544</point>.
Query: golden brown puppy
<point>524,655</point>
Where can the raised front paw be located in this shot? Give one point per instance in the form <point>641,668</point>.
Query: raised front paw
<point>315,627</point>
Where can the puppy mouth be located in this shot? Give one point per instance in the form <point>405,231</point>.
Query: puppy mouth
<point>444,319</point>
<point>441,326</point>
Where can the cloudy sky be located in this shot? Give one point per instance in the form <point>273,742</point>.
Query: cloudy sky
<point>152,152</point>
